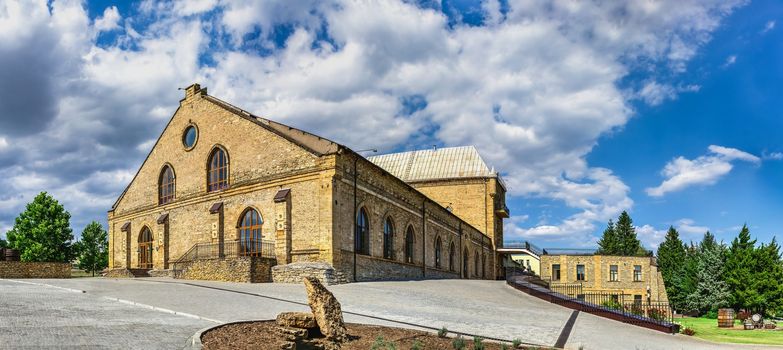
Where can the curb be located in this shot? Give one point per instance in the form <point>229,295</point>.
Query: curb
<point>47,285</point>
<point>160,309</point>
<point>194,343</point>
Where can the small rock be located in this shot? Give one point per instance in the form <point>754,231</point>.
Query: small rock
<point>326,310</point>
<point>297,320</point>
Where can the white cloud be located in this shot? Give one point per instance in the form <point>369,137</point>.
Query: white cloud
<point>681,173</point>
<point>3,143</point>
<point>109,21</point>
<point>767,27</point>
<point>540,82</point>
<point>730,61</point>
<point>770,156</point>
<point>650,237</point>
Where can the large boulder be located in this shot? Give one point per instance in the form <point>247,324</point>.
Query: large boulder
<point>326,310</point>
<point>297,320</point>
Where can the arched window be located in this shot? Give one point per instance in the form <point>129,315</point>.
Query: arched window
<point>166,185</point>
<point>388,239</point>
<point>451,256</point>
<point>145,248</point>
<point>250,243</point>
<point>362,239</point>
<point>465,264</point>
<point>437,252</point>
<point>409,245</point>
<point>217,171</point>
<point>476,263</point>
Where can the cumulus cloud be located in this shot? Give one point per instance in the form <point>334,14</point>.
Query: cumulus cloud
<point>681,172</point>
<point>541,81</point>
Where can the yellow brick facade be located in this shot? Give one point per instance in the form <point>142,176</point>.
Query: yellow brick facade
<point>597,274</point>
<point>314,223</point>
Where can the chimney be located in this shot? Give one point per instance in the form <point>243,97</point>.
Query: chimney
<point>193,90</point>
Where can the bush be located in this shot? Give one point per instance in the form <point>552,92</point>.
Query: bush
<point>443,332</point>
<point>712,314</point>
<point>381,344</point>
<point>478,343</point>
<point>612,304</point>
<point>688,331</point>
<point>658,314</point>
<point>458,343</point>
<point>417,345</point>
<point>516,343</point>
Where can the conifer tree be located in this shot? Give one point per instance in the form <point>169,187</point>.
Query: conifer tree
<point>739,270</point>
<point>671,263</point>
<point>710,292</point>
<point>629,244</point>
<point>768,282</point>
<point>688,277</point>
<point>608,244</point>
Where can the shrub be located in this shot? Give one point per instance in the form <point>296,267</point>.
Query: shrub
<point>657,314</point>
<point>382,344</point>
<point>417,345</point>
<point>612,304</point>
<point>712,314</point>
<point>478,343</point>
<point>516,343</point>
<point>458,343</point>
<point>688,331</point>
<point>635,309</point>
<point>442,332</point>
<point>503,347</point>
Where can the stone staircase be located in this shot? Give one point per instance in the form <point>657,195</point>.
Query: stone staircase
<point>139,272</point>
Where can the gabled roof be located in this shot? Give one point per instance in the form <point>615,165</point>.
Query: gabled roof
<point>435,164</point>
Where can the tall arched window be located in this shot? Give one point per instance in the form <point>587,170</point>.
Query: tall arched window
<point>145,248</point>
<point>465,264</point>
<point>388,239</point>
<point>217,171</point>
<point>362,239</point>
<point>476,263</point>
<point>483,265</point>
<point>437,252</point>
<point>250,233</point>
<point>166,185</point>
<point>409,245</point>
<point>451,256</point>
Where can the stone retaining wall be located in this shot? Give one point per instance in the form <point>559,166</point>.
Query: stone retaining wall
<point>242,269</point>
<point>295,272</point>
<point>375,269</point>
<point>24,269</point>
<point>118,273</point>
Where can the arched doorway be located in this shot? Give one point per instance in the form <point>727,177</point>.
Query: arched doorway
<point>145,248</point>
<point>250,233</point>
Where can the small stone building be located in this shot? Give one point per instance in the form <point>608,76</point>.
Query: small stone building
<point>634,276</point>
<point>226,195</point>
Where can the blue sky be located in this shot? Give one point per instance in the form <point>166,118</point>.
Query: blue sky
<point>667,109</point>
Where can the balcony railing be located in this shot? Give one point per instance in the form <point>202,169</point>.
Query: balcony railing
<point>231,249</point>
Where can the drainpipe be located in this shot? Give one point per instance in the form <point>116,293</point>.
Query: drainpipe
<point>423,239</point>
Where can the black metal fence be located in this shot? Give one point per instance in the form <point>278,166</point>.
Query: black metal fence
<point>570,289</point>
<point>620,307</point>
<point>231,249</point>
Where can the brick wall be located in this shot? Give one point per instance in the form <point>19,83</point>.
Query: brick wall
<point>23,269</point>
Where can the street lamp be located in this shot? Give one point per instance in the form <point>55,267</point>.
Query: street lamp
<point>355,205</point>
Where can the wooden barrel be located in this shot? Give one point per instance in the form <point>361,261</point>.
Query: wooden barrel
<point>11,255</point>
<point>726,318</point>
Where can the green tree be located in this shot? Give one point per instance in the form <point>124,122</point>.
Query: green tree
<point>740,270</point>
<point>92,249</point>
<point>671,258</point>
<point>768,282</point>
<point>629,244</point>
<point>608,244</point>
<point>710,292</point>
<point>3,243</point>
<point>42,232</point>
<point>688,278</point>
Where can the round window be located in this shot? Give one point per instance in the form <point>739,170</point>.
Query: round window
<point>190,136</point>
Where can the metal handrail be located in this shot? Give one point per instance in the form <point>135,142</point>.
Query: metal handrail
<point>231,249</point>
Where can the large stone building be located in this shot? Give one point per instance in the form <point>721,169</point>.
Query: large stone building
<point>636,277</point>
<point>224,192</point>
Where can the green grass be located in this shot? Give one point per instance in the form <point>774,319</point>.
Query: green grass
<point>80,273</point>
<point>707,329</point>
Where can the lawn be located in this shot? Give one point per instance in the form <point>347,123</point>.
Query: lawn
<point>708,329</point>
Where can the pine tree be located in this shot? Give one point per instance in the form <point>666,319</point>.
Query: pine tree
<point>710,292</point>
<point>671,259</point>
<point>739,270</point>
<point>629,244</point>
<point>768,282</point>
<point>688,277</point>
<point>43,231</point>
<point>608,243</point>
<point>92,248</point>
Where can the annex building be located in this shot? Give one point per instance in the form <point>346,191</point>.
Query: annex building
<point>227,195</point>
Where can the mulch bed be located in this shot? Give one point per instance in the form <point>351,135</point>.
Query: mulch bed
<point>261,335</point>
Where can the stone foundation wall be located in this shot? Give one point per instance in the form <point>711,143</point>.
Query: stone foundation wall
<point>23,269</point>
<point>295,272</point>
<point>118,273</point>
<point>161,273</point>
<point>242,269</point>
<point>376,269</point>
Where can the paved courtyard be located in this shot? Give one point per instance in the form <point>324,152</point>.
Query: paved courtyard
<point>52,317</point>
